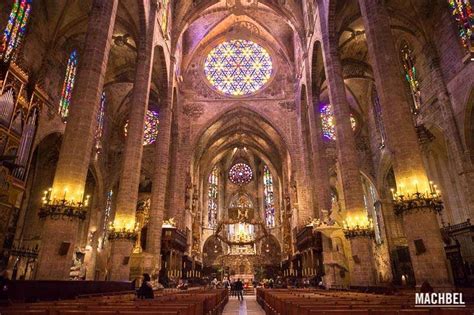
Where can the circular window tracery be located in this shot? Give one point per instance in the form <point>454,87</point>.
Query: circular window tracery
<point>240,174</point>
<point>238,67</point>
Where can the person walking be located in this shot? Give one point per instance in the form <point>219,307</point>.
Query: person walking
<point>239,288</point>
<point>232,287</point>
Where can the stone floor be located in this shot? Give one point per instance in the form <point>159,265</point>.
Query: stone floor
<point>248,306</point>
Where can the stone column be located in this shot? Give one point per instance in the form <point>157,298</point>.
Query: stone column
<point>160,183</point>
<point>181,161</point>
<point>76,148</point>
<point>307,155</point>
<point>321,176</point>
<point>402,141</point>
<point>127,195</point>
<point>348,160</point>
<point>459,154</point>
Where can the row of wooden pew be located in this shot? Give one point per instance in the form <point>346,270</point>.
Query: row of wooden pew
<point>312,302</point>
<point>193,302</point>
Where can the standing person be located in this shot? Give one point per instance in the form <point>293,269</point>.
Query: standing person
<point>239,288</point>
<point>4,288</point>
<point>146,289</point>
<point>226,284</point>
<point>232,288</point>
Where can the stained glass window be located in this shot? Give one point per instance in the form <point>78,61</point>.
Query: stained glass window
<point>164,16</point>
<point>238,67</point>
<point>16,28</point>
<point>372,206</point>
<point>464,16</point>
<point>329,124</point>
<point>151,127</point>
<point>377,111</point>
<point>268,197</point>
<point>107,214</point>
<point>100,123</point>
<point>240,174</point>
<point>411,75</point>
<point>68,85</point>
<point>213,194</point>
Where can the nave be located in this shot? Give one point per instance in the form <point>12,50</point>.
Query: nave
<point>248,306</point>
<point>200,301</point>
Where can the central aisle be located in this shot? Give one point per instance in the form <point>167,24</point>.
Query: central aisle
<point>248,306</point>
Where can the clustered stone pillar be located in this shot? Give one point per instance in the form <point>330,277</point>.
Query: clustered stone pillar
<point>160,183</point>
<point>321,174</point>
<point>419,224</point>
<point>318,177</point>
<point>177,184</point>
<point>459,155</point>
<point>76,148</point>
<point>127,196</point>
<point>363,273</point>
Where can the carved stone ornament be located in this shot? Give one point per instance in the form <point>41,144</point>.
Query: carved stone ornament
<point>289,106</point>
<point>193,110</point>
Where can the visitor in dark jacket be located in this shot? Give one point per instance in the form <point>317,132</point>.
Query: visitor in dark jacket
<point>146,289</point>
<point>4,288</point>
<point>239,288</point>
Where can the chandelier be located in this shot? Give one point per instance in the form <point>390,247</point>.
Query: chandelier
<point>244,234</point>
<point>404,201</point>
<point>63,208</point>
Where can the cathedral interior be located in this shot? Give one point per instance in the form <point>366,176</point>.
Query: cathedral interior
<point>200,139</point>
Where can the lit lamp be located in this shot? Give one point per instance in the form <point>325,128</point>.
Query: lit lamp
<point>62,208</point>
<point>358,225</point>
<point>405,201</point>
<point>123,230</point>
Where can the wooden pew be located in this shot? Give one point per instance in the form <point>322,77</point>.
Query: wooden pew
<point>195,302</point>
<point>312,302</point>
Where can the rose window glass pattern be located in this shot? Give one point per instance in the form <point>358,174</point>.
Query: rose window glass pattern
<point>240,174</point>
<point>238,67</point>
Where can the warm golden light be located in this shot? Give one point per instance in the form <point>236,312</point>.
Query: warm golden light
<point>67,193</point>
<point>425,188</point>
<point>358,221</point>
<point>52,196</point>
<point>170,223</point>
<point>413,184</point>
<point>124,223</point>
